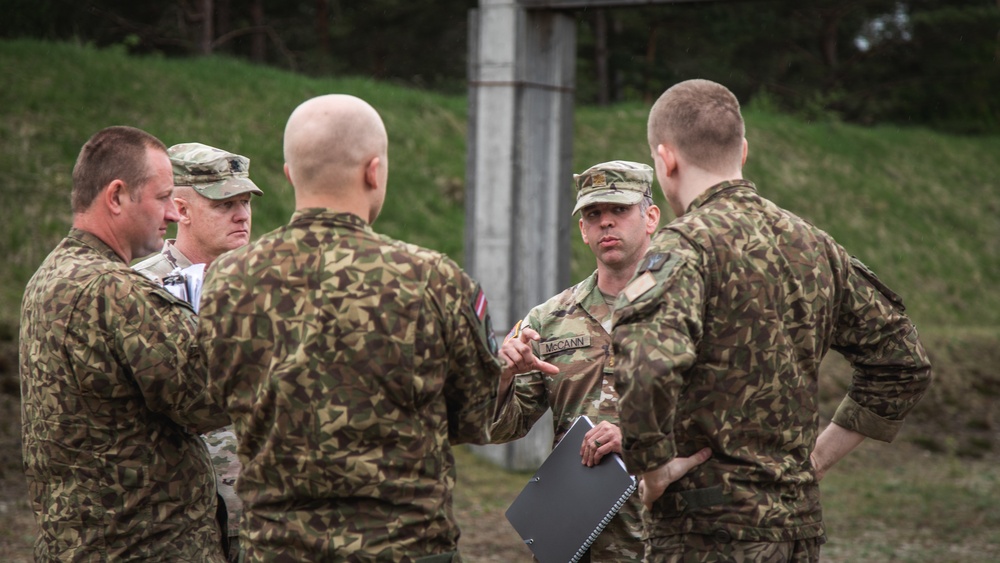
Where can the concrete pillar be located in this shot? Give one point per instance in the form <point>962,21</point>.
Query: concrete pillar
<point>519,172</point>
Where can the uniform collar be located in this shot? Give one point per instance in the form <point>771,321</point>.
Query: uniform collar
<point>718,189</point>
<point>92,241</point>
<point>320,214</point>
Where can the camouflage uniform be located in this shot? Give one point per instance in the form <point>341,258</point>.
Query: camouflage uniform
<point>573,337</point>
<point>221,443</point>
<point>350,363</point>
<point>159,265</point>
<point>108,406</point>
<point>719,339</point>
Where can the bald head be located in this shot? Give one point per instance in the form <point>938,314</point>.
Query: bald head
<point>329,140</point>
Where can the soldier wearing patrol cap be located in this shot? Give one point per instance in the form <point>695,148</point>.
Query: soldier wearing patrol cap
<point>719,339</point>
<point>212,190</point>
<point>569,368</point>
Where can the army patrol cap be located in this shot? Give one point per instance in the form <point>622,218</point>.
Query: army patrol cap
<point>213,173</point>
<point>618,181</point>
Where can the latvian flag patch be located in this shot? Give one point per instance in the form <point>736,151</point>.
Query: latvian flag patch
<point>479,304</point>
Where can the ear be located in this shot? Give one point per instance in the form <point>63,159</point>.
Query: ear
<point>669,158</point>
<point>652,219</point>
<point>183,209</point>
<point>746,150</point>
<point>583,233</point>
<point>371,173</point>
<point>114,194</point>
<point>288,174</point>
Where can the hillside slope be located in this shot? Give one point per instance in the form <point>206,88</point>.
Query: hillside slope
<point>920,207</point>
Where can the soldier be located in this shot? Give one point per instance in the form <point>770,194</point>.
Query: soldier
<point>349,362</point>
<point>212,190</point>
<point>109,398</point>
<point>572,372</point>
<point>719,339</point>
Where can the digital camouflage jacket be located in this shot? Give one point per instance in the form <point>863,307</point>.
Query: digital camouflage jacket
<point>719,339</point>
<point>110,411</point>
<point>574,339</point>
<point>350,364</point>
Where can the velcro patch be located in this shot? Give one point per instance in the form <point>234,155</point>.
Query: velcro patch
<point>514,332</point>
<point>552,346</point>
<point>480,312</point>
<point>653,262</point>
<point>639,285</point>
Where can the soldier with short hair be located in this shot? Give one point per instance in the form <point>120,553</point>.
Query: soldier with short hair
<point>350,362</point>
<point>111,401</point>
<point>719,338</point>
<point>560,355</point>
<point>212,191</point>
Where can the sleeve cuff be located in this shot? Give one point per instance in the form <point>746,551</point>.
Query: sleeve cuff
<point>641,460</point>
<point>853,416</point>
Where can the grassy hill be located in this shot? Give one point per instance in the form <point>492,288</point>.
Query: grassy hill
<point>921,208</point>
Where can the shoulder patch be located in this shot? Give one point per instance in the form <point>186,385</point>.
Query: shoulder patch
<point>653,262</point>
<point>639,285</point>
<point>480,312</point>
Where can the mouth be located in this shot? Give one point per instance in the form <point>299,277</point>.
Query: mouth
<point>608,241</point>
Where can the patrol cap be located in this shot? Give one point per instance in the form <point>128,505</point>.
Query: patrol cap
<point>618,181</point>
<point>213,173</point>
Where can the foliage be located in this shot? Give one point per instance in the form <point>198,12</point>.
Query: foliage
<point>923,62</point>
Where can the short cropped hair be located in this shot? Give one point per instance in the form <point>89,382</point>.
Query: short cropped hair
<point>113,153</point>
<point>702,120</point>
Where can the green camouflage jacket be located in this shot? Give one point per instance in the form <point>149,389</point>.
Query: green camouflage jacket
<point>110,412</point>
<point>573,338</point>
<point>221,443</point>
<point>350,363</point>
<point>719,339</point>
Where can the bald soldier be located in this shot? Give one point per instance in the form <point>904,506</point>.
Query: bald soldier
<point>349,362</point>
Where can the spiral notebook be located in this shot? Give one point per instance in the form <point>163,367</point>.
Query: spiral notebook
<point>566,505</point>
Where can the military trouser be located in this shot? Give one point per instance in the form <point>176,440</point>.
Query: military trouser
<point>700,548</point>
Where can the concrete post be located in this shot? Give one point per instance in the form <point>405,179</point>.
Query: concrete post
<point>519,177</point>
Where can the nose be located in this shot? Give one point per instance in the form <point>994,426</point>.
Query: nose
<point>242,214</point>
<point>171,215</point>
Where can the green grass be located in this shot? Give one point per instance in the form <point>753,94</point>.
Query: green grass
<point>919,207</point>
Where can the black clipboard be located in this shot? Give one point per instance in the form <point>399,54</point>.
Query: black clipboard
<point>566,505</point>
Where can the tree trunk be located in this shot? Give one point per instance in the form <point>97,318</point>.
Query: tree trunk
<point>323,26</point>
<point>601,56</point>
<point>223,18</point>
<point>258,44</point>
<point>207,29</point>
